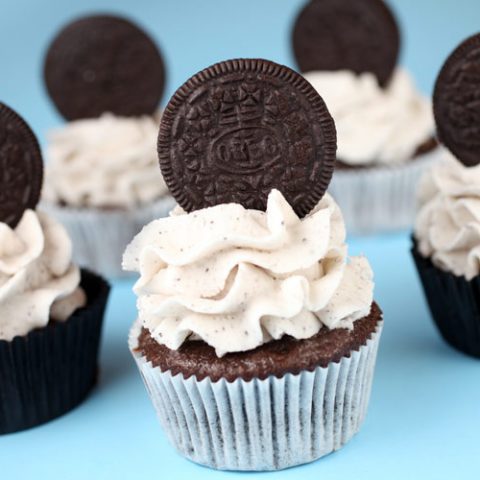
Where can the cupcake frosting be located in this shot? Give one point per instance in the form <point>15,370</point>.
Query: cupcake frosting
<point>38,281</point>
<point>447,227</point>
<point>237,278</point>
<point>375,125</point>
<point>106,162</point>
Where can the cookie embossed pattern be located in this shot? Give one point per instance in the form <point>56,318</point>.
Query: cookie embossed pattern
<point>239,129</point>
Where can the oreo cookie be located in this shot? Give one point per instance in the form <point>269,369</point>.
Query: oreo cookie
<point>21,167</point>
<point>103,64</point>
<point>357,35</point>
<point>456,102</point>
<point>239,129</point>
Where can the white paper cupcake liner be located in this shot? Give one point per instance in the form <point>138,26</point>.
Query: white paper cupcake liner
<point>100,236</point>
<point>380,198</point>
<point>266,424</point>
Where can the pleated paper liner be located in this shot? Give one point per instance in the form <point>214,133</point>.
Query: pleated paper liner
<point>267,424</point>
<point>380,198</point>
<point>454,304</point>
<point>100,236</point>
<point>49,371</point>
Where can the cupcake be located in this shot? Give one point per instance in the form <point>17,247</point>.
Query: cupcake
<point>51,313</point>
<point>256,334</point>
<point>106,77</point>
<point>447,230</point>
<point>348,51</point>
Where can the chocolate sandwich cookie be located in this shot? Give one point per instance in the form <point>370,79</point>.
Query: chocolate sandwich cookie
<point>103,64</point>
<point>239,129</point>
<point>360,35</point>
<point>456,102</point>
<point>21,167</point>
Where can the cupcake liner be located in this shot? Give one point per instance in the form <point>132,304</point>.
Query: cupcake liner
<point>454,303</point>
<point>100,236</point>
<point>267,424</point>
<point>49,371</point>
<point>380,198</point>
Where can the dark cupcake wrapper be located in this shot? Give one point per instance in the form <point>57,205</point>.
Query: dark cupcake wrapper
<point>454,304</point>
<point>49,371</point>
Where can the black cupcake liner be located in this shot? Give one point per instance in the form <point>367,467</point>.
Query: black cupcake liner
<point>49,371</point>
<point>454,304</point>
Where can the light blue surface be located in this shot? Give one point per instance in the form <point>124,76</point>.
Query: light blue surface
<point>424,416</point>
<point>423,420</point>
<point>196,33</point>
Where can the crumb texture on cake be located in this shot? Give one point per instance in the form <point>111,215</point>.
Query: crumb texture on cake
<point>277,358</point>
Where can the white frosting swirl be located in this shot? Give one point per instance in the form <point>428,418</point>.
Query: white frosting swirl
<point>38,281</point>
<point>375,125</point>
<point>238,278</point>
<point>104,162</point>
<point>447,227</point>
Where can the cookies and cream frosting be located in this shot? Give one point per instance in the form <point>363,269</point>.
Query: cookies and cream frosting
<point>375,125</point>
<point>38,281</point>
<point>238,278</point>
<point>106,162</point>
<point>447,226</point>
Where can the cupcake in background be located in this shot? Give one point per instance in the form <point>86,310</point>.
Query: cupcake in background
<point>256,334</point>
<point>348,51</point>
<point>106,77</point>
<point>447,229</point>
<point>51,313</point>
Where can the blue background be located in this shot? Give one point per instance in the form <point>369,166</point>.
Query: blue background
<point>424,416</point>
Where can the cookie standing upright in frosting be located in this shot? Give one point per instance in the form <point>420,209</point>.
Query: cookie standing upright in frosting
<point>22,167</point>
<point>241,128</point>
<point>106,77</point>
<point>348,51</point>
<point>37,277</point>
<point>456,107</point>
<point>447,228</point>
<point>335,35</point>
<point>50,312</point>
<point>251,280</point>
<point>95,65</point>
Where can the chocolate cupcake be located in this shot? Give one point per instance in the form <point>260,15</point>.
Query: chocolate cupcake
<point>51,313</point>
<point>348,51</point>
<point>446,245</point>
<point>106,77</point>
<point>256,334</point>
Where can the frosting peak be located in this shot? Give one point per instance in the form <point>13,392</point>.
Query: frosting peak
<point>447,227</point>
<point>375,125</point>
<point>237,278</point>
<point>38,281</point>
<point>121,154</point>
